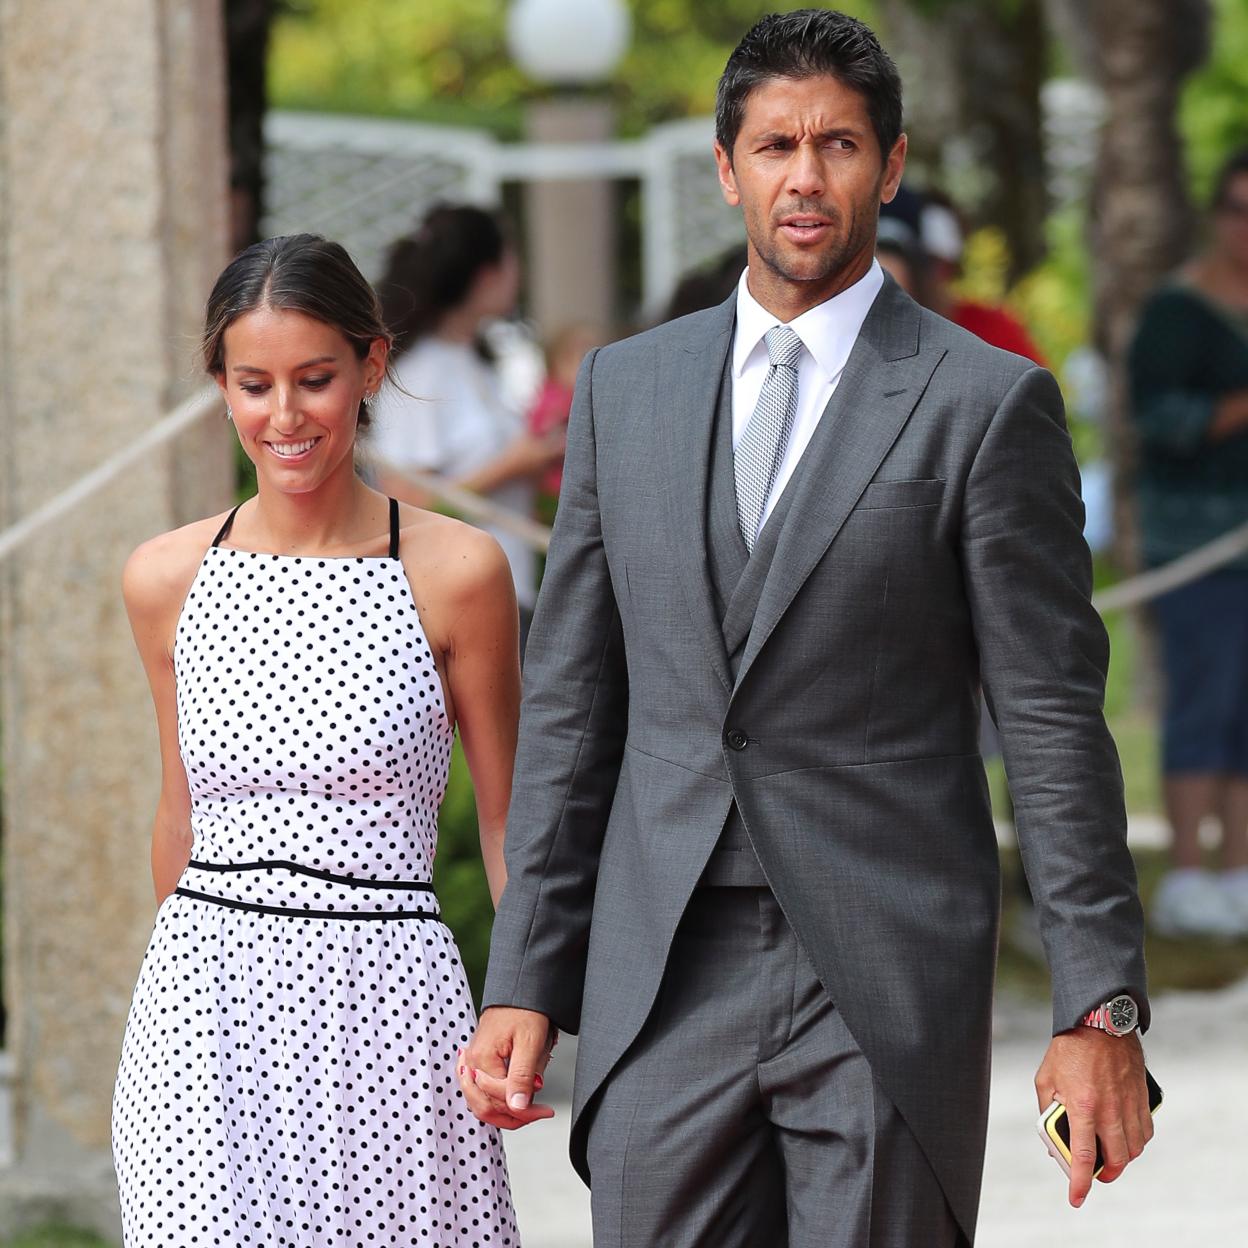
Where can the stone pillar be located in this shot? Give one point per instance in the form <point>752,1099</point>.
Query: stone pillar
<point>570,226</point>
<point>113,198</point>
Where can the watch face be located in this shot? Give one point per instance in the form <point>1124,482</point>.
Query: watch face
<point>1123,1014</point>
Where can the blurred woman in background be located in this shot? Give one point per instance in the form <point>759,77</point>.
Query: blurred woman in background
<point>1189,387</point>
<point>448,415</point>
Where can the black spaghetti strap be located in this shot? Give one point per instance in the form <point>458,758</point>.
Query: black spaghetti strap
<point>224,531</point>
<point>394,528</point>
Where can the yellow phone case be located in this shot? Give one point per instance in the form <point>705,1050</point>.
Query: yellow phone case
<point>1054,1128</point>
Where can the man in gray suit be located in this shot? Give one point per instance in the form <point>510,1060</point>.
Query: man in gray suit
<point>751,857</point>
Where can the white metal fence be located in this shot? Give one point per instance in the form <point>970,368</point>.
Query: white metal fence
<point>366,181</point>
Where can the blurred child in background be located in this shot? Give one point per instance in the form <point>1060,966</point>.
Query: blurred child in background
<point>550,409</point>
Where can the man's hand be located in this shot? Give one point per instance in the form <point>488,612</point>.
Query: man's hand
<point>1100,1080</point>
<point>502,1066</point>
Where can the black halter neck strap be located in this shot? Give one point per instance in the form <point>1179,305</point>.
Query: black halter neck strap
<point>224,530</point>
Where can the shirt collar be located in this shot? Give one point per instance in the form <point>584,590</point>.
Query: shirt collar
<point>828,330</point>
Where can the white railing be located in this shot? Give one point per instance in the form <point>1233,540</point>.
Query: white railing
<point>367,181</point>
<point>206,402</point>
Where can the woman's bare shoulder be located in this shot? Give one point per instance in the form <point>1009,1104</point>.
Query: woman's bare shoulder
<point>159,573</point>
<point>456,572</point>
<point>452,551</point>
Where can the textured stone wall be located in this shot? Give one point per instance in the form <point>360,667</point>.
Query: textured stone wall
<point>112,224</point>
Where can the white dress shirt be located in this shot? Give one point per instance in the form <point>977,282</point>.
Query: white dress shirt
<point>828,333</point>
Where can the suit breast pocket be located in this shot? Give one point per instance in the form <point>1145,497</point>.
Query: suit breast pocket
<point>891,495</point>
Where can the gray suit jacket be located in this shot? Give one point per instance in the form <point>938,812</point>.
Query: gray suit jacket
<point>934,539</point>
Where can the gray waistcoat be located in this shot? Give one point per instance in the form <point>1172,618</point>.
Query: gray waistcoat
<point>737,579</point>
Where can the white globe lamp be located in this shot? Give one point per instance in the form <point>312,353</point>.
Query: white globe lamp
<point>568,43</point>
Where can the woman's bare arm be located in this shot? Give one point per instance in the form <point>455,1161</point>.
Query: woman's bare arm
<point>155,583</point>
<point>475,625</point>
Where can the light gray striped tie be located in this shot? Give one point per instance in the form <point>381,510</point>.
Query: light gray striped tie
<point>758,455</point>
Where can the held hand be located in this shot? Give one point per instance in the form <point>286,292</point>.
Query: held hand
<point>502,1066</point>
<point>534,453</point>
<point>1100,1080</point>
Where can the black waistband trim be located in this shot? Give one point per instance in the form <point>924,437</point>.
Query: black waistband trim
<point>288,912</point>
<point>421,886</point>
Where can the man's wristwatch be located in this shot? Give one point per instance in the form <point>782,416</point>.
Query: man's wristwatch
<point>1119,1016</point>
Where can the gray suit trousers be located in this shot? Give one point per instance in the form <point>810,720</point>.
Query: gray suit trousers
<point>745,1114</point>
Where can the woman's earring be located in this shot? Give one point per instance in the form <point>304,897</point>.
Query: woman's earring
<point>229,412</point>
<point>370,399</point>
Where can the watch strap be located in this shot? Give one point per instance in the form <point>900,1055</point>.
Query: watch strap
<point>1096,1018</point>
<point>1102,1018</point>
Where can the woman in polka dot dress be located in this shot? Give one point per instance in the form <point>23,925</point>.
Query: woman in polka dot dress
<point>288,1070</point>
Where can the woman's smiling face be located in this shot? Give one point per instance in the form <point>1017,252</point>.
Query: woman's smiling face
<point>294,384</point>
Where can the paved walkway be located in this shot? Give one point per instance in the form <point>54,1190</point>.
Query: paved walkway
<point>1190,1188</point>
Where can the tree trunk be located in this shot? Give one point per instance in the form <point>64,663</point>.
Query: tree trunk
<point>247,25</point>
<point>973,70</point>
<point>1141,223</point>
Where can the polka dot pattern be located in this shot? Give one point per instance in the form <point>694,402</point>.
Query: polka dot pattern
<point>288,1079</point>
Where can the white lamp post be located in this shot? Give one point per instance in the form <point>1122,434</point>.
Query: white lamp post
<point>571,45</point>
<point>568,42</point>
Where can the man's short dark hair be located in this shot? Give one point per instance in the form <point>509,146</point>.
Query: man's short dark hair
<point>807,43</point>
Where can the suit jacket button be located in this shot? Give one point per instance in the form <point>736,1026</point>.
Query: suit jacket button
<point>737,739</point>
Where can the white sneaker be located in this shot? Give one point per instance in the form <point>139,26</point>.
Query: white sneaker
<point>1192,902</point>
<point>1235,887</point>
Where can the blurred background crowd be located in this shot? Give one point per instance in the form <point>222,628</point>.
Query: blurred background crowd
<point>524,181</point>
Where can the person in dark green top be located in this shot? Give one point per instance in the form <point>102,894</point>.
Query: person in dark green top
<point>1188,370</point>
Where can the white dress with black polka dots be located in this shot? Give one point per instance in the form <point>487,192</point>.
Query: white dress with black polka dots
<point>288,1070</point>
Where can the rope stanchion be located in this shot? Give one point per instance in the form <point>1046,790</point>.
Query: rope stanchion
<point>206,402</point>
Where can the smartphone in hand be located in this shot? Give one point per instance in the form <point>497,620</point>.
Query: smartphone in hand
<point>1054,1128</point>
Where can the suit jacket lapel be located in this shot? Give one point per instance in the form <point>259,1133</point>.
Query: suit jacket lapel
<point>687,394</point>
<point>884,377</point>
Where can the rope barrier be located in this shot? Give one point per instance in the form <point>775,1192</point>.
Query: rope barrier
<point>1132,592</point>
<point>1187,568</point>
<point>480,510</point>
<point>206,402</point>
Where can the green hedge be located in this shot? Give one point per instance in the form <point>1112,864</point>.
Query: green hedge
<point>459,875</point>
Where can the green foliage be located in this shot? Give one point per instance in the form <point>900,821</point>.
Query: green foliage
<point>459,875</point>
<point>679,50</point>
<point>1053,300</point>
<point>244,475</point>
<point>1213,116</point>
<point>934,8</point>
<point>1173,965</point>
<point>55,1235</point>
<point>447,60</point>
<point>392,57</point>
